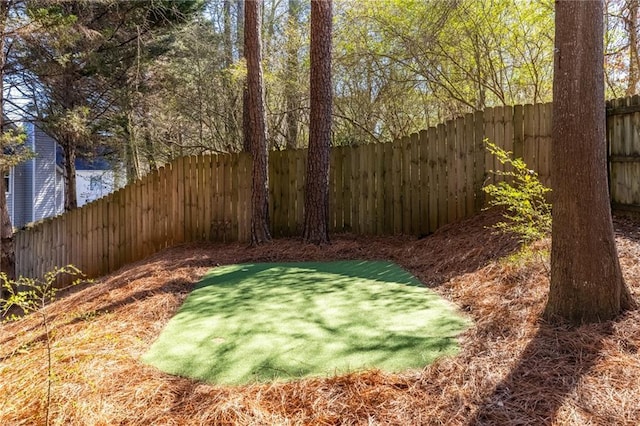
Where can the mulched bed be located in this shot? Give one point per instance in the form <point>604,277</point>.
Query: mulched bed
<point>512,368</point>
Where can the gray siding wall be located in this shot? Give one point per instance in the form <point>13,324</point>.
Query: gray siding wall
<point>44,200</point>
<point>23,187</point>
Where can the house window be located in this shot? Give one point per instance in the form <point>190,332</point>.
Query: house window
<point>95,183</point>
<point>7,182</point>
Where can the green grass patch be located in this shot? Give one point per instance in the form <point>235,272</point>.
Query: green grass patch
<point>269,321</point>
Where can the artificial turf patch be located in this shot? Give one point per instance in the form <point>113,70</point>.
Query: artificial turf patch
<point>280,321</point>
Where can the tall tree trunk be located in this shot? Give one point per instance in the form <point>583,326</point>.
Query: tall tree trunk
<point>150,148</point>
<point>256,132</point>
<point>7,251</point>
<point>230,102</point>
<point>291,88</point>
<point>70,196</point>
<point>316,201</point>
<point>586,281</point>
<point>228,46</point>
<point>131,157</point>
<point>246,139</point>
<point>631,24</point>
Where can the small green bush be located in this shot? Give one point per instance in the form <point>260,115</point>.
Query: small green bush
<point>30,294</point>
<point>523,197</point>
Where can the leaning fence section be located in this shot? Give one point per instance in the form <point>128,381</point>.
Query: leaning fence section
<point>192,198</point>
<point>623,136</point>
<point>413,185</point>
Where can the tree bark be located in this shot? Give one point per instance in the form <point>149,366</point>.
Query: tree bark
<point>246,143</point>
<point>228,46</point>
<point>7,250</point>
<point>316,202</point>
<point>240,28</point>
<point>631,24</point>
<point>256,121</point>
<point>586,281</point>
<point>70,196</point>
<point>291,90</point>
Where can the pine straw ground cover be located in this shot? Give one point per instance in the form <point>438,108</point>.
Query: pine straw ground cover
<point>511,368</point>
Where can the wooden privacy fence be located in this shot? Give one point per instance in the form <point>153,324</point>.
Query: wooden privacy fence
<point>623,136</point>
<point>191,199</point>
<point>416,184</point>
<point>413,185</point>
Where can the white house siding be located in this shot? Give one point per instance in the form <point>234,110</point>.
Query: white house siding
<point>94,184</point>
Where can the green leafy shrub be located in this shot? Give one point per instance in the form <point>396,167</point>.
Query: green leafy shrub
<point>30,294</point>
<point>522,195</point>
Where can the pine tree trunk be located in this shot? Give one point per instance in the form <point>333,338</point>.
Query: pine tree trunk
<point>586,281</point>
<point>230,101</point>
<point>70,196</point>
<point>631,24</point>
<point>246,143</point>
<point>256,131</point>
<point>291,90</point>
<point>240,28</point>
<point>316,202</point>
<point>7,250</point>
<point>150,151</point>
<point>228,46</point>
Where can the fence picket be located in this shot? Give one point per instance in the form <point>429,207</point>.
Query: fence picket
<point>335,189</point>
<point>389,208</point>
<point>286,194</point>
<point>480,166</point>
<point>461,164</point>
<point>469,199</point>
<point>634,152</point>
<point>530,125</point>
<point>301,168</point>
<point>365,188</point>
<point>432,158</point>
<point>442,175</point>
<point>405,185</point>
<point>489,134</point>
<point>451,160</point>
<point>423,170</point>
<point>397,182</point>
<point>379,206</point>
<point>544,150</point>
<point>415,191</point>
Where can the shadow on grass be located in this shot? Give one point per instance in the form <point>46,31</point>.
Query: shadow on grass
<point>555,360</point>
<point>259,322</point>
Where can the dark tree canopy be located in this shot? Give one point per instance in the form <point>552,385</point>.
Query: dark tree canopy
<point>78,59</point>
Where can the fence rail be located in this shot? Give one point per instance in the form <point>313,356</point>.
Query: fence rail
<point>413,185</point>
